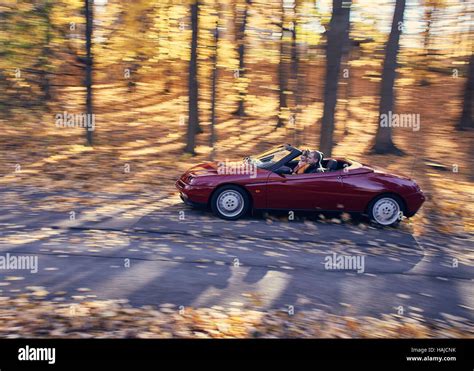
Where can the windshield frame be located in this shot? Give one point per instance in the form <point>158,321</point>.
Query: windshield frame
<point>292,153</point>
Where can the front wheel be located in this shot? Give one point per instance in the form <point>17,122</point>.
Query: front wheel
<point>386,210</point>
<point>230,202</point>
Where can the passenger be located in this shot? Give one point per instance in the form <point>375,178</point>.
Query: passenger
<point>302,164</point>
<point>314,160</point>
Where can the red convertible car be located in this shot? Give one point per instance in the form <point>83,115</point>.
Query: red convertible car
<point>266,181</point>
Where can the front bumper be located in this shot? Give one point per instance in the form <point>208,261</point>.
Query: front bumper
<point>192,195</point>
<point>188,202</point>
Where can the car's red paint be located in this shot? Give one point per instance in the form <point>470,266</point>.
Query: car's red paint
<point>350,189</point>
<point>306,191</point>
<point>197,184</point>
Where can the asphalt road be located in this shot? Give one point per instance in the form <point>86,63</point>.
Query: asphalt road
<point>153,250</point>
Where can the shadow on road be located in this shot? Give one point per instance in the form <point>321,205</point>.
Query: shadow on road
<point>180,257</point>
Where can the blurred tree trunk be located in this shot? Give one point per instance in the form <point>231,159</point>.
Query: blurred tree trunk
<point>89,14</point>
<point>337,37</point>
<point>428,18</point>
<point>193,110</point>
<point>383,139</point>
<point>282,73</point>
<point>214,86</point>
<point>241,50</point>
<point>346,73</point>
<point>466,121</point>
<point>295,75</point>
<point>168,65</point>
<point>427,32</point>
<point>432,10</point>
<point>44,61</point>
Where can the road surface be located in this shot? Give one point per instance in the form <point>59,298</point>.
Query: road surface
<point>153,250</point>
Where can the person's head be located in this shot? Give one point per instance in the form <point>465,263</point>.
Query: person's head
<point>314,157</point>
<point>304,156</point>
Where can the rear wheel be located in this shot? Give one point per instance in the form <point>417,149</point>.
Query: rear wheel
<point>386,210</point>
<point>230,202</point>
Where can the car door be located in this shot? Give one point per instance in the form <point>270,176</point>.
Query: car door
<point>321,191</point>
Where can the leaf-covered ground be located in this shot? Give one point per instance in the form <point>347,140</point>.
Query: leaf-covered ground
<point>117,319</point>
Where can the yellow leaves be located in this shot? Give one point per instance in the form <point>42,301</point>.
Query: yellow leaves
<point>14,278</point>
<point>40,293</point>
<point>113,319</point>
<point>77,148</point>
<point>55,158</point>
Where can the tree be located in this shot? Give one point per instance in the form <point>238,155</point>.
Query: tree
<point>282,69</point>
<point>466,121</point>
<point>241,50</point>
<point>43,62</point>
<point>193,110</point>
<point>26,59</point>
<point>432,8</point>
<point>337,37</point>
<point>89,14</point>
<point>214,84</point>
<point>383,139</point>
<point>295,74</point>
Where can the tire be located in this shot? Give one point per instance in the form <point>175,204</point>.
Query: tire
<point>230,202</point>
<point>386,210</point>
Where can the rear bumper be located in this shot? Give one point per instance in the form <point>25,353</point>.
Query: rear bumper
<point>414,203</point>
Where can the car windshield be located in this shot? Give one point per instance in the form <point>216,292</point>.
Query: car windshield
<point>269,158</point>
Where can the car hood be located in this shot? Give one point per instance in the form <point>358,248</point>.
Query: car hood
<point>236,169</point>
<point>208,168</point>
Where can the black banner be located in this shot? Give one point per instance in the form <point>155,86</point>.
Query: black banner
<point>451,354</point>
